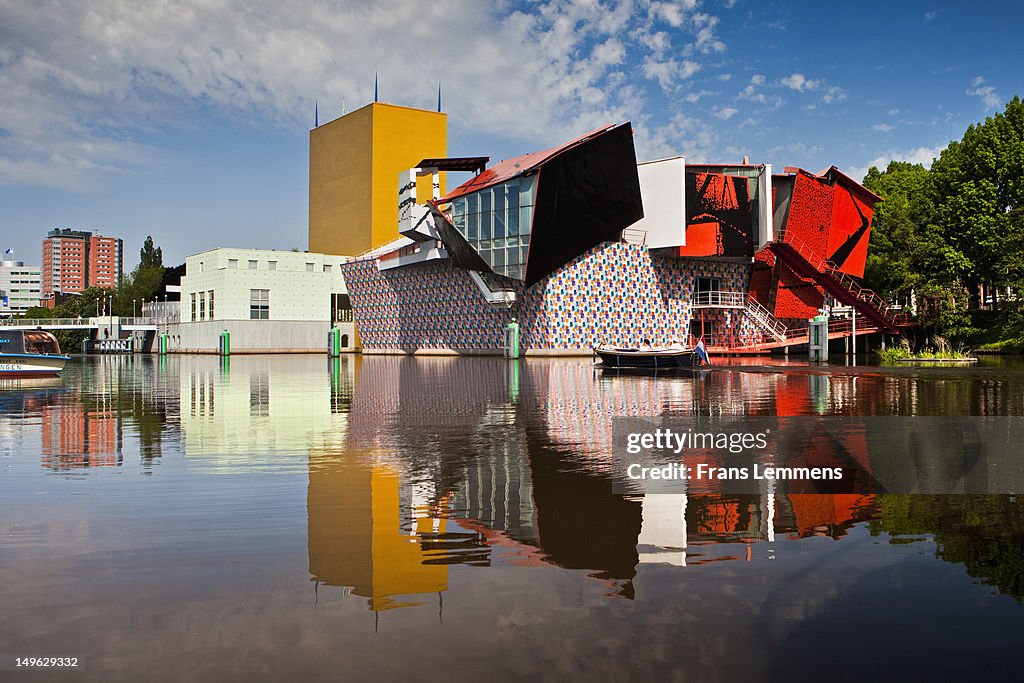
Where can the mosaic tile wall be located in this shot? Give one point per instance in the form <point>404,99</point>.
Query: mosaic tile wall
<point>616,293</point>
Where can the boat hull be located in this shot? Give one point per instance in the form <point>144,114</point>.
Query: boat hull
<point>647,360</point>
<point>23,365</point>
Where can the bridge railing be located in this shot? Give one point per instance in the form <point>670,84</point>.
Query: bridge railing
<point>44,322</point>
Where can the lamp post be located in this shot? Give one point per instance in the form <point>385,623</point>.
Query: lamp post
<point>133,308</point>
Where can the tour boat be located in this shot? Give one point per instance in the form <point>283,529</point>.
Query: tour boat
<point>29,353</point>
<point>653,359</point>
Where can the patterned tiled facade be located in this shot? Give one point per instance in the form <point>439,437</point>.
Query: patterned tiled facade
<point>616,293</point>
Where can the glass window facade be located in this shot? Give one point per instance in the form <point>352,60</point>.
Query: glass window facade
<point>497,223</point>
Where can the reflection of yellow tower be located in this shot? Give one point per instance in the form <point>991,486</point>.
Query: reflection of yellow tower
<point>354,162</point>
<point>356,537</point>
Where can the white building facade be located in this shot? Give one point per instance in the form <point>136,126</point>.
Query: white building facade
<point>268,301</point>
<point>20,287</point>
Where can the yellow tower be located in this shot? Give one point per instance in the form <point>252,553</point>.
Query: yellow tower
<point>354,162</point>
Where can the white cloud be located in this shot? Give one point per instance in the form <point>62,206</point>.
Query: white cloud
<point>669,71</point>
<point>929,16</point>
<point>757,79</point>
<point>726,113</point>
<point>916,155</point>
<point>834,94</point>
<point>696,96</point>
<point>83,83</point>
<point>706,40</point>
<point>799,82</point>
<point>680,133</point>
<point>883,127</point>
<point>989,97</point>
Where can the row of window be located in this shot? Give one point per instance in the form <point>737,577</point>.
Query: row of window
<point>272,265</point>
<point>200,312</point>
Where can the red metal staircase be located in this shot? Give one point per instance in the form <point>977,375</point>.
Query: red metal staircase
<point>807,264</point>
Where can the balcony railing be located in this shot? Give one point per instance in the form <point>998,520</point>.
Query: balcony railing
<point>713,299</point>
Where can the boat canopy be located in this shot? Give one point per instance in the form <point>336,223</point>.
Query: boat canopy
<point>30,341</point>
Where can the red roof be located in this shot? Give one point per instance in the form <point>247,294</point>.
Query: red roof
<point>510,168</point>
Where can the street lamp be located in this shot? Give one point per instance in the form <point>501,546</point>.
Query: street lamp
<point>133,308</point>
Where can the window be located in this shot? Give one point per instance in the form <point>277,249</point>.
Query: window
<point>252,264</point>
<point>497,221</point>
<point>202,305</point>
<point>272,265</point>
<point>341,308</point>
<point>232,263</point>
<point>327,267</point>
<point>309,267</point>
<point>210,297</point>
<point>194,306</point>
<point>259,304</point>
<point>707,284</point>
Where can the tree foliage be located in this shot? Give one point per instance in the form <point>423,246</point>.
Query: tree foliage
<point>151,256</point>
<point>945,231</point>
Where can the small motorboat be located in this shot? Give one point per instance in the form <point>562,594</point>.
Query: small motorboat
<point>653,359</point>
<point>29,353</point>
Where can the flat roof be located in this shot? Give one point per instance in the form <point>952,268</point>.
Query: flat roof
<point>471,164</point>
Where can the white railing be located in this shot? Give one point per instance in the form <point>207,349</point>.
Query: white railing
<point>45,322</point>
<point>764,317</point>
<point>634,236</point>
<point>712,299</point>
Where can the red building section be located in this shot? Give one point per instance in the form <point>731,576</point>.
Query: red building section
<point>826,221</point>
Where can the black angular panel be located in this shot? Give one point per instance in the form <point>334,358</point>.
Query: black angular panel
<point>586,195</point>
<point>460,251</point>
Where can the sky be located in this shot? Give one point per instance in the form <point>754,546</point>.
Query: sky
<point>189,120</point>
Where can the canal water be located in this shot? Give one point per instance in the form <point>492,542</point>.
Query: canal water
<point>381,518</point>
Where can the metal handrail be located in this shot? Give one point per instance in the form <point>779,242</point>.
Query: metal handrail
<point>627,232</point>
<point>39,322</point>
<point>762,315</point>
<point>717,298</point>
<point>861,293</point>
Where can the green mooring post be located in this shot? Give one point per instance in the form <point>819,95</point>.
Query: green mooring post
<point>334,342</point>
<point>161,343</point>
<point>817,347</point>
<point>512,339</point>
<point>225,343</point>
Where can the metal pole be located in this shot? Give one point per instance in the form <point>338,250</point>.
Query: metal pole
<point>853,339</point>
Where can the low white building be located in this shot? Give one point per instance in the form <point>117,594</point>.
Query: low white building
<point>20,285</point>
<point>268,301</point>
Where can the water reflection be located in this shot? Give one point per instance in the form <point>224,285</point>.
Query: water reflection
<point>423,470</point>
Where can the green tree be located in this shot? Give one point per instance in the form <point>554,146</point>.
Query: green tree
<point>899,249</point>
<point>980,185</point>
<point>151,256</point>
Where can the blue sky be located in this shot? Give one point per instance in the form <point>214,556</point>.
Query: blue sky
<point>188,120</point>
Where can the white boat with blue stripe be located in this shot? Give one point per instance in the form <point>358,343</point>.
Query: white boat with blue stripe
<point>29,353</point>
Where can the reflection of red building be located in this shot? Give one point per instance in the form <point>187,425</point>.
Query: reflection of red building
<point>75,436</point>
<point>824,514</point>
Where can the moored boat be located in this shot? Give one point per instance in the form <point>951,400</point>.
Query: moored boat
<point>29,353</point>
<point>652,359</point>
